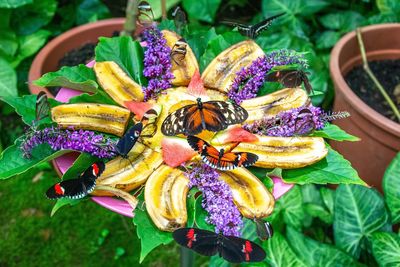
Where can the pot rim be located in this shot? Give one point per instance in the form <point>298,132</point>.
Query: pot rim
<point>37,63</point>
<point>365,110</point>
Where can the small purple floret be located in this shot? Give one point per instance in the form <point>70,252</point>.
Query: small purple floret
<point>65,139</point>
<point>217,200</point>
<point>157,63</point>
<point>250,79</point>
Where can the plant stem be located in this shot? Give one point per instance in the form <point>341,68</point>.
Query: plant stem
<point>187,257</point>
<point>164,9</point>
<point>130,18</point>
<point>372,76</point>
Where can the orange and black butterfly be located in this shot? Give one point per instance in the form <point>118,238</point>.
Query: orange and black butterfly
<point>211,115</point>
<point>290,78</point>
<point>221,160</point>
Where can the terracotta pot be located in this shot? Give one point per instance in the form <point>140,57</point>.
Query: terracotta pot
<point>380,137</point>
<point>47,59</point>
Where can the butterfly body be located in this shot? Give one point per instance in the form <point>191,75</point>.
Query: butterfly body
<point>221,160</point>
<point>207,243</point>
<point>211,115</point>
<point>79,187</point>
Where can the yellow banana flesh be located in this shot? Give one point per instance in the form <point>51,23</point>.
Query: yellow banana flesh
<point>182,70</point>
<point>108,190</point>
<point>271,104</point>
<point>250,195</point>
<point>89,116</point>
<point>221,72</point>
<point>165,196</point>
<point>117,83</point>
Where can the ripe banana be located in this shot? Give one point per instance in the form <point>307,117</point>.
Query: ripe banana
<point>222,70</point>
<point>89,116</point>
<point>165,196</point>
<point>129,174</point>
<point>108,190</point>
<point>184,69</point>
<point>249,194</point>
<point>285,152</point>
<point>117,83</point>
<point>271,104</point>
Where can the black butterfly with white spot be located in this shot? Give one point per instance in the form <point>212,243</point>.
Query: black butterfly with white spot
<point>79,187</point>
<point>252,31</point>
<point>126,143</point>
<point>211,115</point>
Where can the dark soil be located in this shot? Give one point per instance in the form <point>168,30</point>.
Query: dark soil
<point>388,74</point>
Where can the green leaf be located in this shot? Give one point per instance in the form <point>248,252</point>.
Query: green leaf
<point>215,46</point>
<point>79,78</point>
<point>128,54</point>
<point>156,6</point>
<point>199,41</point>
<point>201,216</point>
<point>317,211</point>
<point>191,207</point>
<point>327,39</point>
<point>388,6</point>
<point>30,18</point>
<point>314,253</point>
<point>8,80</point>
<point>203,10</point>
<point>8,43</point>
<point>13,162</point>
<point>290,208</point>
<point>99,97</point>
<point>150,236</point>
<point>63,202</point>
<point>332,169</point>
<point>344,21</point>
<point>91,11</point>
<point>386,249</point>
<point>333,132</point>
<point>29,45</point>
<point>218,261</point>
<point>279,252</point>
<point>13,3</point>
<point>391,188</point>
<point>359,211</point>
<point>328,197</point>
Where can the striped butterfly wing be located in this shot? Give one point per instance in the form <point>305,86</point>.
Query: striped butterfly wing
<point>42,106</point>
<point>256,29</point>
<point>175,123</point>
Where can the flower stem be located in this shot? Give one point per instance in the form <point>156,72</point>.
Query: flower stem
<point>372,76</point>
<point>130,19</point>
<point>187,257</point>
<point>164,9</point>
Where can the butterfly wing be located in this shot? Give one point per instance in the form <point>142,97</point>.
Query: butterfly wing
<point>209,154</point>
<point>179,19</point>
<point>245,159</point>
<point>256,29</point>
<point>174,123</point>
<point>73,189</point>
<point>94,170</point>
<point>129,139</point>
<point>236,250</point>
<point>218,115</point>
<point>202,241</point>
<point>264,229</point>
<point>42,106</point>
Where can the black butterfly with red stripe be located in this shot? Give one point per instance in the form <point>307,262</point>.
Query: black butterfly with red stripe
<point>211,115</point>
<point>79,187</point>
<point>221,160</point>
<point>290,78</point>
<point>207,243</point>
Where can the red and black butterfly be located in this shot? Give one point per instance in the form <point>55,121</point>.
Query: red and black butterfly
<point>79,187</point>
<point>290,78</point>
<point>207,243</point>
<point>264,229</point>
<point>211,115</point>
<point>252,31</point>
<point>221,160</point>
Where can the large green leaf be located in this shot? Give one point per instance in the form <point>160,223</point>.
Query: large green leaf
<point>8,43</point>
<point>201,215</point>
<point>150,236</point>
<point>99,97</point>
<point>79,77</point>
<point>279,252</point>
<point>344,21</point>
<point>386,249</point>
<point>289,207</point>
<point>388,6</point>
<point>327,39</point>
<point>8,80</point>
<point>13,3</point>
<point>128,54</point>
<point>314,253</point>
<point>29,45</point>
<point>391,188</point>
<point>333,132</point>
<point>359,211</point>
<point>203,10</point>
<point>30,18</point>
<point>214,47</point>
<point>199,41</point>
<point>13,162</point>
<point>332,169</point>
<point>156,6</point>
<point>91,11</point>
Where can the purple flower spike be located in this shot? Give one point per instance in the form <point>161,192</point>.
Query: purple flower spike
<point>217,200</point>
<point>249,80</point>
<point>65,139</point>
<point>157,63</point>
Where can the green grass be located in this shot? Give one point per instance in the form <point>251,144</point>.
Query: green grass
<point>30,237</point>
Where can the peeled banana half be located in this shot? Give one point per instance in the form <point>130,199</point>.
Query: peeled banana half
<point>90,116</point>
<point>165,196</point>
